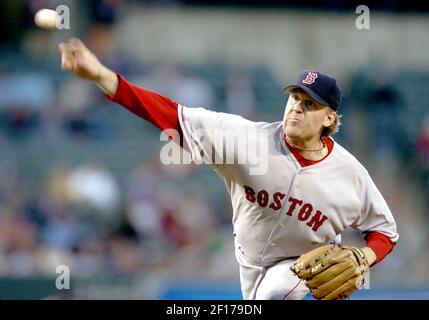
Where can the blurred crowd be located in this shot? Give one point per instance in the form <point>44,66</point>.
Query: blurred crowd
<point>83,216</point>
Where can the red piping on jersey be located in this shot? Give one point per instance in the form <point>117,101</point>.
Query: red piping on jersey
<point>284,298</point>
<point>306,162</point>
<point>380,244</point>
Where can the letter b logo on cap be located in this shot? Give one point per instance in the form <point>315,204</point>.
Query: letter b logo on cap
<point>311,78</point>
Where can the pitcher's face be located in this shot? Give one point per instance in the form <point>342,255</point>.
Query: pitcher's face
<point>304,118</point>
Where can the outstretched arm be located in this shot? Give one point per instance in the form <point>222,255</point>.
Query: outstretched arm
<point>151,106</point>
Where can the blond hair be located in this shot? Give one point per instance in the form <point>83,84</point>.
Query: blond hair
<point>333,128</point>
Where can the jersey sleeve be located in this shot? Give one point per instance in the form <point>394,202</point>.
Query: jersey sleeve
<point>375,215</point>
<point>213,138</point>
<point>148,105</point>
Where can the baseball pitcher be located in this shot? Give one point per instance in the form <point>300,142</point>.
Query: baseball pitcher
<point>287,217</point>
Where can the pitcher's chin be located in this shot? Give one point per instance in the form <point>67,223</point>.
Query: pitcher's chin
<point>292,130</point>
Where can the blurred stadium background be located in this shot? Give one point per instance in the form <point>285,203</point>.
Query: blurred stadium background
<point>81,182</point>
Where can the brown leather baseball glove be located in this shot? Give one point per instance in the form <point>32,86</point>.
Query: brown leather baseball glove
<point>332,272</point>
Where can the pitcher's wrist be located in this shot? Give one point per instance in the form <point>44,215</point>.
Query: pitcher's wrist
<point>107,80</point>
<point>370,255</point>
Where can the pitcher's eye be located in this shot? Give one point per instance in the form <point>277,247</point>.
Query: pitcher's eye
<point>309,103</point>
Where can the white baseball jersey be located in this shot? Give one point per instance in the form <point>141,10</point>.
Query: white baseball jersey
<point>280,209</point>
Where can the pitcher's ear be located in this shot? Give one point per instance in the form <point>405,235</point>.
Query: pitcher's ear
<point>330,118</point>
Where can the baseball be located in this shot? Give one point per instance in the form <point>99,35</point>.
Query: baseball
<point>46,18</point>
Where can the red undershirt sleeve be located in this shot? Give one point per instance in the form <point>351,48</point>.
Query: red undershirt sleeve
<point>380,244</point>
<point>151,106</point>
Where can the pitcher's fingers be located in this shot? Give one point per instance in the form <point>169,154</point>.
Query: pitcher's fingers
<point>67,50</point>
<point>63,47</point>
<point>75,42</point>
<point>65,59</point>
<point>75,62</point>
<point>66,62</point>
<point>78,57</point>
